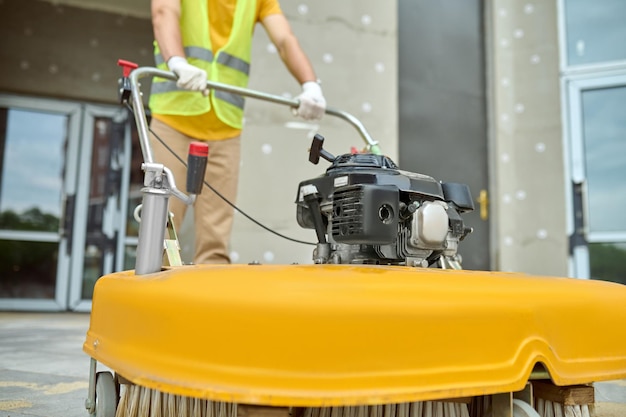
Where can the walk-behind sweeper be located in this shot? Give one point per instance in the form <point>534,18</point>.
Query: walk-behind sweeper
<point>382,323</point>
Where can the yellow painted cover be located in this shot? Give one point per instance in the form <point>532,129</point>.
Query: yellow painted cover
<point>314,335</point>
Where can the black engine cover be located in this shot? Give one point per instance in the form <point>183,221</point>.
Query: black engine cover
<point>365,214</point>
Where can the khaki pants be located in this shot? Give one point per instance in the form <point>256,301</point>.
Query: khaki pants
<point>213,218</point>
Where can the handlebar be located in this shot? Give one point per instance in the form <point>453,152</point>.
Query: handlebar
<point>142,124</point>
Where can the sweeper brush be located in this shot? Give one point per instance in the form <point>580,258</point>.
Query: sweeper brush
<point>383,323</point>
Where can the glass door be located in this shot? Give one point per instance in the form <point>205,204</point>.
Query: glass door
<point>65,171</point>
<point>598,132</point>
<point>38,167</point>
<point>101,209</point>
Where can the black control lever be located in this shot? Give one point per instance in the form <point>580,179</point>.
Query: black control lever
<point>196,166</point>
<point>317,150</point>
<point>313,202</point>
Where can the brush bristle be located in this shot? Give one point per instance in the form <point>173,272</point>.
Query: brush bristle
<point>136,401</point>
<point>145,400</point>
<point>546,408</point>
<point>122,405</point>
<point>156,404</point>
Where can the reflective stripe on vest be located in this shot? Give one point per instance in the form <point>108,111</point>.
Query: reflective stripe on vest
<point>200,53</point>
<point>191,52</point>
<point>170,86</point>
<point>234,62</point>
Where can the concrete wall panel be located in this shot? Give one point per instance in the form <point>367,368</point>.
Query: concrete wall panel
<point>67,52</point>
<point>529,198</point>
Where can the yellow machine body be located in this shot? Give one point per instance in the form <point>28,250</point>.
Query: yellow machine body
<point>321,335</point>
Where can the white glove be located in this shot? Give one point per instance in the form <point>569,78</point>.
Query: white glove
<point>312,103</point>
<point>189,77</point>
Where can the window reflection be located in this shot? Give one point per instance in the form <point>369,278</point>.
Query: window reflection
<point>28,269</point>
<point>604,134</point>
<point>595,31</point>
<point>608,261</point>
<point>130,256</point>
<point>136,183</point>
<point>32,148</point>
<point>107,163</point>
<point>104,183</point>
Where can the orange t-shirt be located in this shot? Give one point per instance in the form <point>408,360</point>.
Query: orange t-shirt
<point>208,126</point>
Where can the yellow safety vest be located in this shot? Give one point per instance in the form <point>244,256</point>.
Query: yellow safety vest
<point>230,65</point>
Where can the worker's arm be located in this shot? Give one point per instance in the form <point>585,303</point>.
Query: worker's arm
<point>312,102</point>
<point>167,33</point>
<point>281,35</point>
<point>165,24</point>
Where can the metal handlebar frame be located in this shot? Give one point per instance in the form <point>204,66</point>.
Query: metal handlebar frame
<point>159,183</point>
<point>142,125</point>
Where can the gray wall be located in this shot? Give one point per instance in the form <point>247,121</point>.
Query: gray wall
<point>442,103</point>
<point>479,102</point>
<point>353,47</point>
<point>59,51</point>
<point>527,152</point>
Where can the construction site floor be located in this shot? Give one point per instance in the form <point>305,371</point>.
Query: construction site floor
<point>44,371</point>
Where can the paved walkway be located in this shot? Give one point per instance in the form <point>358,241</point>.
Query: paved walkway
<point>44,372</point>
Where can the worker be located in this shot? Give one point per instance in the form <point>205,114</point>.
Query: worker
<point>211,39</point>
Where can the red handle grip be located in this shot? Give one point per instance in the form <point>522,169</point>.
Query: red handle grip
<point>196,166</point>
<point>127,66</point>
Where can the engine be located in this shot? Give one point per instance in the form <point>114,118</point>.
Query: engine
<point>365,210</point>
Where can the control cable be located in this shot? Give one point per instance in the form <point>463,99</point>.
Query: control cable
<point>247,216</point>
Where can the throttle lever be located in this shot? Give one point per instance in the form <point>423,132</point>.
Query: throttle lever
<point>317,150</point>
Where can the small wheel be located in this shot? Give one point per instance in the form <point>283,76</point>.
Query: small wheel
<point>106,395</point>
<point>522,409</point>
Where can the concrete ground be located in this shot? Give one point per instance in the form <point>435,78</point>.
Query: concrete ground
<point>44,372</point>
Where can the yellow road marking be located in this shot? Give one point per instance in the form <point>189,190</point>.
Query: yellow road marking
<point>52,389</point>
<point>14,404</point>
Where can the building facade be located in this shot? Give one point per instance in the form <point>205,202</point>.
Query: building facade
<point>520,100</point>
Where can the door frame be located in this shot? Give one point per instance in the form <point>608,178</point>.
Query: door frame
<point>73,111</point>
<point>115,218</point>
<point>78,159</point>
<point>577,226</point>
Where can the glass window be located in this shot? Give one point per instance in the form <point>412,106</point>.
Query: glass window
<point>130,256</point>
<point>136,183</point>
<point>607,261</point>
<point>36,137</point>
<point>32,149</point>
<point>595,31</point>
<point>28,269</point>
<point>102,183</point>
<point>604,132</point>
